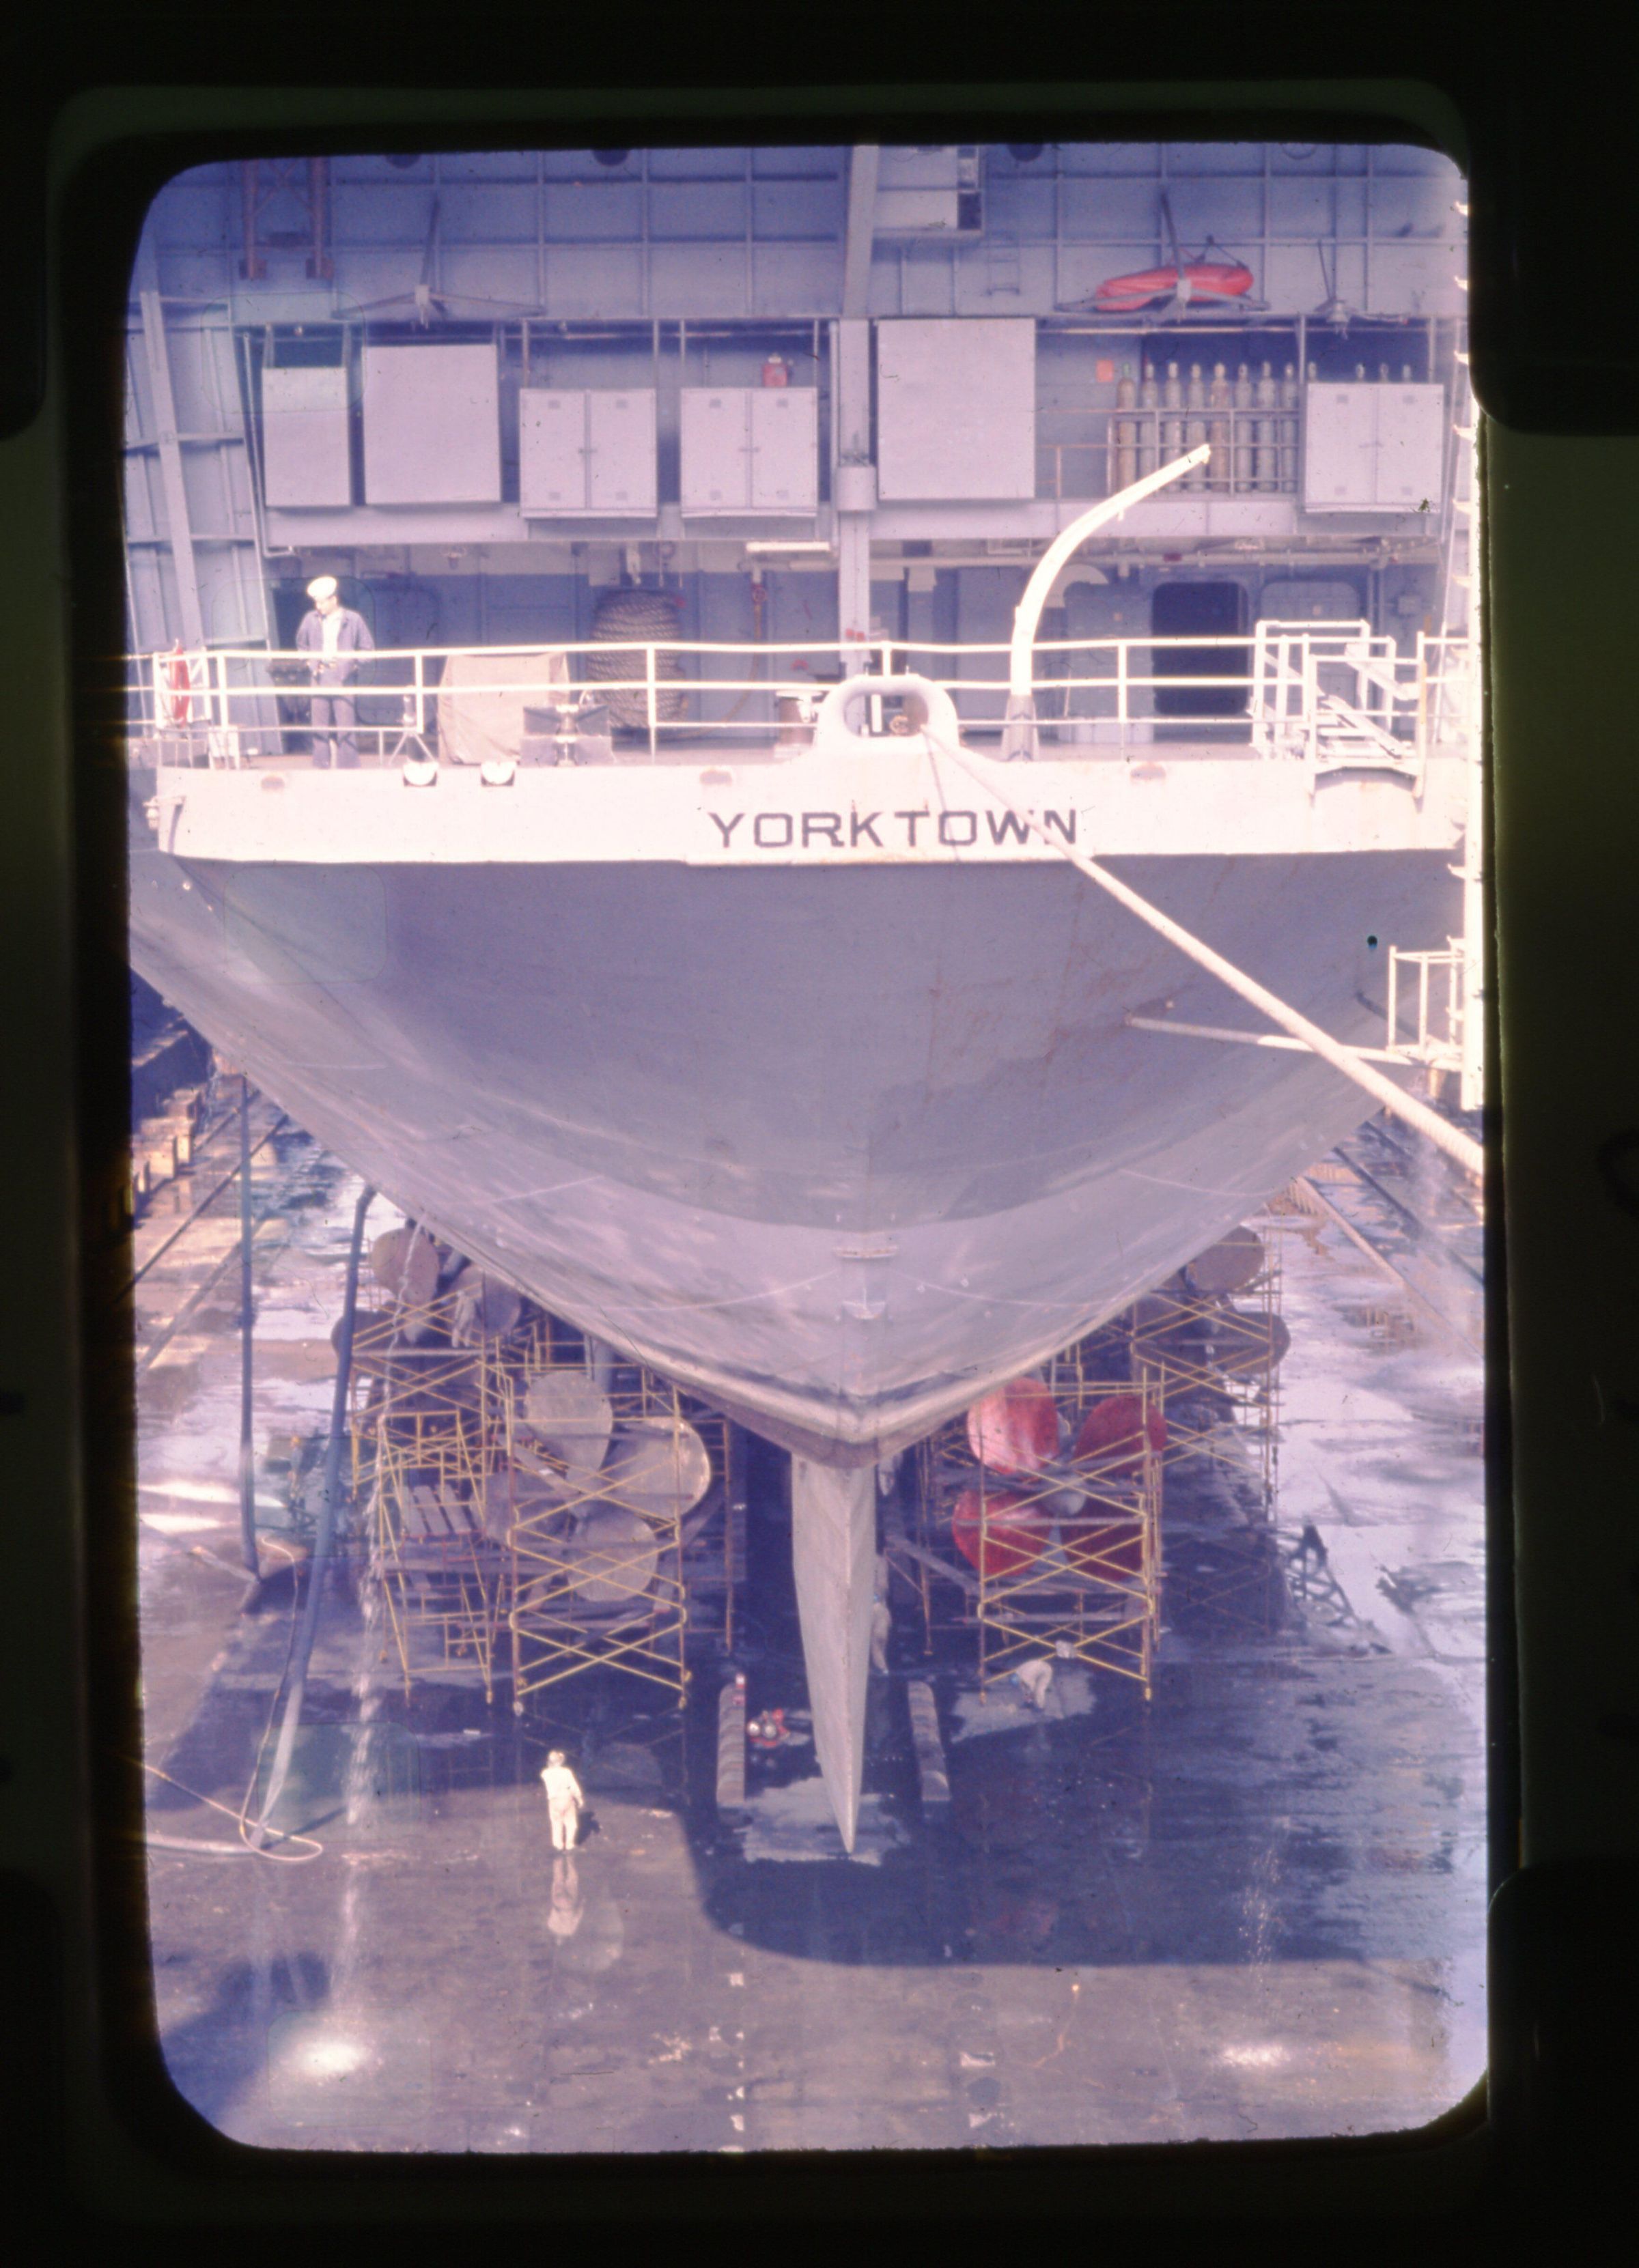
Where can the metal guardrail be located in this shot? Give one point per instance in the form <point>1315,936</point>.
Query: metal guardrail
<point>1329,693</point>
<point>1439,1050</point>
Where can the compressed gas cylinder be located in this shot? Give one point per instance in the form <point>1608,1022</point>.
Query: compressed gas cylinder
<point>1148,433</point>
<point>1243,406</point>
<point>1195,429</point>
<point>1218,429</point>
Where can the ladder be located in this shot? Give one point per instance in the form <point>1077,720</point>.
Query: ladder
<point>1344,735</point>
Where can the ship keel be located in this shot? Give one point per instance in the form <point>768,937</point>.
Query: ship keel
<point>833,1552</point>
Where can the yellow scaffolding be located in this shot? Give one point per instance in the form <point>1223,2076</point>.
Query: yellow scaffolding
<point>1213,1360</point>
<point>595,1558</point>
<point>475,1528</point>
<point>1067,1561</point>
<point>422,1449</point>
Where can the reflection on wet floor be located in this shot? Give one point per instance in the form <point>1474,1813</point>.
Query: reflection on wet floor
<point>1252,1909</point>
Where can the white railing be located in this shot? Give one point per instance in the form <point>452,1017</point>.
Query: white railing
<point>1331,693</point>
<point>1440,1050</point>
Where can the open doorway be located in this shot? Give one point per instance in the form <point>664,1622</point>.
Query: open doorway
<point>1209,610</point>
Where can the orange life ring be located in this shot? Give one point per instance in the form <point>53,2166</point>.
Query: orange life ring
<point>181,685</point>
<point>1206,279</point>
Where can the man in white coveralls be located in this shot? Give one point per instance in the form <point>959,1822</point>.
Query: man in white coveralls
<point>563,1801</point>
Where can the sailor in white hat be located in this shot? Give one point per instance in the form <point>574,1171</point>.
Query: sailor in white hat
<point>332,637</point>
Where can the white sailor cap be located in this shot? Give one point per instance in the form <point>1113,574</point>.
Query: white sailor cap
<point>322,586</point>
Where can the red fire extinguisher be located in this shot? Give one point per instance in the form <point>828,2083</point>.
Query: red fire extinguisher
<point>775,371</point>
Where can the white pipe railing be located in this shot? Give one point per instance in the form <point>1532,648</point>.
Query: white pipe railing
<point>1082,688</point>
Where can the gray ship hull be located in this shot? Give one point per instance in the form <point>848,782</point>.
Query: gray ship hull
<point>810,1086</point>
<point>838,1148</point>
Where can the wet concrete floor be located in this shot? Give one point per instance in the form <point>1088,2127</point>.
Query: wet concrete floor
<point>1253,1908</point>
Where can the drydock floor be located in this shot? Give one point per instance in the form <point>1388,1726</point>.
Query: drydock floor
<point>1252,1909</point>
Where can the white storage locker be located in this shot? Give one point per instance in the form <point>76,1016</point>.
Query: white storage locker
<point>551,450</point>
<point>750,449</point>
<point>716,469</point>
<point>620,451</point>
<point>587,452</point>
<point>433,424</point>
<point>1411,446</point>
<point>785,442</point>
<point>1373,448</point>
<point>304,453</point>
<point>1339,458</point>
<point>956,408</point>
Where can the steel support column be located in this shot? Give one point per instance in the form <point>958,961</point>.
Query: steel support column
<point>852,481</point>
<point>178,525</point>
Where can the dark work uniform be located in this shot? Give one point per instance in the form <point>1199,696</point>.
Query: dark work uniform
<point>335,714</point>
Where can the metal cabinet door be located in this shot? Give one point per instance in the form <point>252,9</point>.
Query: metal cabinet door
<point>305,456</point>
<point>433,424</point>
<point>956,408</point>
<point>1411,446</point>
<point>1340,448</point>
<point>551,450</point>
<point>620,451</point>
<point>716,449</point>
<point>785,434</point>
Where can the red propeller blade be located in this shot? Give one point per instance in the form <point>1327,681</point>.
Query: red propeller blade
<point>1115,1425</point>
<point>1001,1532</point>
<point>1015,1429</point>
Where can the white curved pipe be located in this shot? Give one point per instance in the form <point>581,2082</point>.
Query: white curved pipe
<point>1025,620</point>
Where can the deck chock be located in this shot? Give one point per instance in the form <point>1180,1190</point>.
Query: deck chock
<point>930,1753</point>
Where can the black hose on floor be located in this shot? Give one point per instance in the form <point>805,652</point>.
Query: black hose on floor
<point>325,1541</point>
